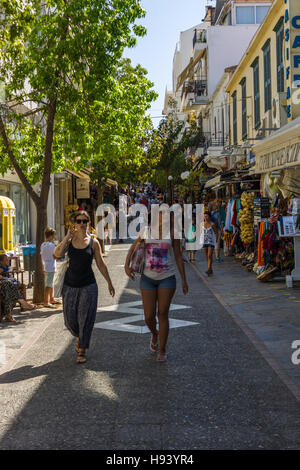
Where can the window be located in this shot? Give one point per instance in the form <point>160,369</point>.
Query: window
<point>279,29</point>
<point>256,93</point>
<point>244,109</point>
<point>234,114</point>
<point>267,75</point>
<point>261,13</point>
<point>245,15</point>
<point>251,15</point>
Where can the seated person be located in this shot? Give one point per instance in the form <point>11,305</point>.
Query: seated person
<point>10,293</point>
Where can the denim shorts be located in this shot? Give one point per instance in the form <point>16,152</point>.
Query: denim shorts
<point>49,277</point>
<point>208,245</point>
<point>153,284</point>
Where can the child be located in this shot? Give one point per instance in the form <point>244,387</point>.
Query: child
<point>209,239</point>
<point>191,239</point>
<point>49,262</point>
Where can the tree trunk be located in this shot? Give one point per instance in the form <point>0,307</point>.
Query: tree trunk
<point>100,201</point>
<point>39,281</point>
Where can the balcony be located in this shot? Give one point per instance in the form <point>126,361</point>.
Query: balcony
<point>199,43</point>
<point>193,92</point>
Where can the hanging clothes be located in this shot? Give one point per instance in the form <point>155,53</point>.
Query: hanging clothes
<point>260,258</point>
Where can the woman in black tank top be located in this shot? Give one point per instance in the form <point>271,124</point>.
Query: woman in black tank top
<point>80,291</point>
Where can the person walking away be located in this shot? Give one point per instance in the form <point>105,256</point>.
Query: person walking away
<point>209,239</point>
<point>191,239</point>
<point>158,284</point>
<point>49,267</point>
<point>10,294</point>
<point>80,290</point>
<point>216,219</point>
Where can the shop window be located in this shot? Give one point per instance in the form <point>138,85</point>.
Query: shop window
<point>267,75</point>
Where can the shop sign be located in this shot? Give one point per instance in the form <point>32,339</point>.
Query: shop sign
<point>287,156</point>
<point>82,188</point>
<point>292,56</point>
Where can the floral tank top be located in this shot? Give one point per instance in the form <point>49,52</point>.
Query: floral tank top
<point>158,262</point>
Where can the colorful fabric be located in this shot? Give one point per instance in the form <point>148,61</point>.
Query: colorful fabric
<point>158,263</point>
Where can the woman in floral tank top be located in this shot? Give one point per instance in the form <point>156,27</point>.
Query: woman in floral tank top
<point>158,284</point>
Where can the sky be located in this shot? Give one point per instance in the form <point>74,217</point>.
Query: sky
<point>165,19</point>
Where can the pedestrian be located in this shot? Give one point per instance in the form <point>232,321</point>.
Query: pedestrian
<point>158,283</point>
<point>209,238</point>
<point>10,293</point>
<point>216,219</point>
<point>49,267</point>
<point>80,290</point>
<point>191,239</point>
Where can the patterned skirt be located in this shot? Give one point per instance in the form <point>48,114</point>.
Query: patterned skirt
<point>10,294</point>
<point>80,308</point>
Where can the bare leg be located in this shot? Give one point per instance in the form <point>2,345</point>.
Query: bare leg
<point>149,298</point>
<point>164,302</point>
<point>209,259</point>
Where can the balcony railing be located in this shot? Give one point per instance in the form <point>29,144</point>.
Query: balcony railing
<point>216,141</point>
<point>198,87</point>
<point>199,37</point>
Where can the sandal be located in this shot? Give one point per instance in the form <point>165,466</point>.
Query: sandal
<point>10,319</point>
<point>24,309</point>
<point>161,357</point>
<point>81,356</point>
<point>56,302</point>
<point>153,346</point>
<point>48,306</point>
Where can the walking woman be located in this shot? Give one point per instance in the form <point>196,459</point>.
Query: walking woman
<point>158,284</point>
<point>80,291</point>
<point>209,237</point>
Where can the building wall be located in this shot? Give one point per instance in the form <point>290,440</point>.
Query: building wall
<point>226,46</point>
<point>245,70</point>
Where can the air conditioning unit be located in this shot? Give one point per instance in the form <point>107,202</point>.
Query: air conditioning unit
<point>279,110</point>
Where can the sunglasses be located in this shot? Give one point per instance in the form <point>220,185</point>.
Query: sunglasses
<point>81,221</point>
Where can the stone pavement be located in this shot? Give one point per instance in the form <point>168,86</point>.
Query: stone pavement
<point>270,310</point>
<point>215,392</point>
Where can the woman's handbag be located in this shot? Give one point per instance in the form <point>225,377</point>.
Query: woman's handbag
<point>60,277</point>
<point>137,260</point>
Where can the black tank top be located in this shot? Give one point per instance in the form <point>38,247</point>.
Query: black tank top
<point>79,272</point>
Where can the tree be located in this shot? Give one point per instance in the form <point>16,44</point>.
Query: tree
<point>70,98</point>
<point>175,143</point>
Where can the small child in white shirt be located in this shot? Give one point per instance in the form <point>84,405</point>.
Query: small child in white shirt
<point>49,263</point>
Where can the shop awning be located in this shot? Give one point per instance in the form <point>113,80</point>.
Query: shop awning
<point>212,182</point>
<point>78,174</point>
<point>280,150</point>
<point>110,182</point>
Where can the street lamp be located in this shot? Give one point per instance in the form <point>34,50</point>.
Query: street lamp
<point>170,178</point>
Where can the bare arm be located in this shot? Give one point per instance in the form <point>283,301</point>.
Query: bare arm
<point>102,266</point>
<point>180,265</point>
<point>61,249</point>
<point>128,257</point>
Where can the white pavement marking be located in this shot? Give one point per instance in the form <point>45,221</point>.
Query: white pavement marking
<point>123,324</point>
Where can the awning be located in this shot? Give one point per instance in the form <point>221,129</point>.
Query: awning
<point>110,182</point>
<point>78,174</point>
<point>280,150</point>
<point>210,183</point>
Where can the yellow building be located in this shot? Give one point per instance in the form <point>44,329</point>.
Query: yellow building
<point>265,98</point>
<point>258,87</point>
